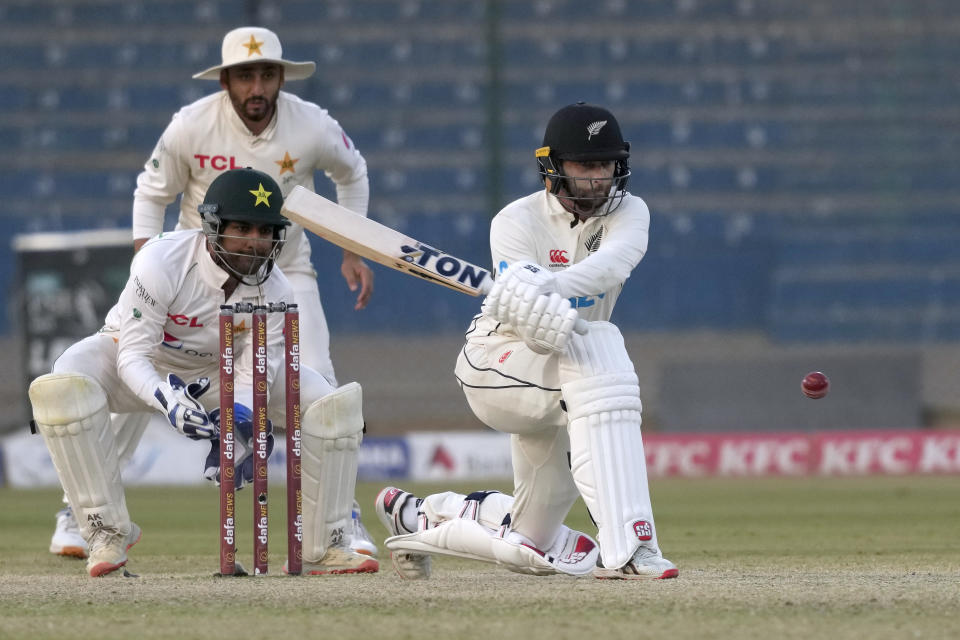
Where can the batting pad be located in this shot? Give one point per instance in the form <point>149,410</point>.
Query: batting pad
<point>606,446</point>
<point>71,414</point>
<point>574,553</point>
<point>332,428</point>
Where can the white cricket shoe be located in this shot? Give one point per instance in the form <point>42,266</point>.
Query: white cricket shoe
<point>645,564</point>
<point>389,505</point>
<point>66,540</point>
<point>338,560</point>
<point>360,539</point>
<point>108,549</point>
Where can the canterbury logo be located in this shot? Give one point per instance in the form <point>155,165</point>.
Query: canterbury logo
<point>558,256</point>
<point>594,128</point>
<point>593,242</point>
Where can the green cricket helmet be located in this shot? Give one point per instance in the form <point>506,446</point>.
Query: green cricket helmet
<point>245,196</point>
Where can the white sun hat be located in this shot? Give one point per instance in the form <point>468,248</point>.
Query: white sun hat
<point>248,45</point>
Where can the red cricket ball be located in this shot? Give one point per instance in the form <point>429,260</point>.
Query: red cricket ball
<point>815,385</point>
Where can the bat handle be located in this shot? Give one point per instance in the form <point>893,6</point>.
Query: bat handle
<point>580,327</point>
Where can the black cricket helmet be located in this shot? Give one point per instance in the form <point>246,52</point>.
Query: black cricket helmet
<point>584,132</point>
<point>250,196</point>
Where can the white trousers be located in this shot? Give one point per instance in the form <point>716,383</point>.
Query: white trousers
<point>515,390</point>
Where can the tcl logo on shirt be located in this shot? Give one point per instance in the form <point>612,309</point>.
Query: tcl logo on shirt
<point>184,321</point>
<point>220,163</point>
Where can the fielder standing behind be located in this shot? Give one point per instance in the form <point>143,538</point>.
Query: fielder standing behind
<point>252,123</point>
<point>571,402</point>
<point>144,360</point>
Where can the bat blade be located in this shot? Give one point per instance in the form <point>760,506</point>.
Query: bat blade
<point>374,241</point>
<point>386,246</point>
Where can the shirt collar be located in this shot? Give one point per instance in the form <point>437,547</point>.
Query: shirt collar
<point>554,208</point>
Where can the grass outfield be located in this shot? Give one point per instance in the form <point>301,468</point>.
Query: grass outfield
<point>875,557</point>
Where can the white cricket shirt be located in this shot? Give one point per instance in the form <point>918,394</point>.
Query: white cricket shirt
<point>167,317</point>
<point>591,259</point>
<point>207,137</point>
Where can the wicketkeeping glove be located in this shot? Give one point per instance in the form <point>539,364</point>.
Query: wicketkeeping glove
<point>244,447</point>
<point>178,401</point>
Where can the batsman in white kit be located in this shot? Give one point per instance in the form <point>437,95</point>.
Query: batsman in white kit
<point>158,352</point>
<point>251,122</point>
<point>570,400</point>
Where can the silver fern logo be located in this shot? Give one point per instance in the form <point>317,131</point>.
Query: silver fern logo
<point>594,128</point>
<point>593,242</point>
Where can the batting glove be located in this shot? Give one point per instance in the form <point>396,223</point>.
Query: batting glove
<point>548,325</point>
<point>516,290</point>
<point>178,401</point>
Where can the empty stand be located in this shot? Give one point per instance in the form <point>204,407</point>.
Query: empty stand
<point>799,158</point>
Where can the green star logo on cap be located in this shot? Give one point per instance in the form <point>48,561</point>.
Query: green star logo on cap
<point>262,196</point>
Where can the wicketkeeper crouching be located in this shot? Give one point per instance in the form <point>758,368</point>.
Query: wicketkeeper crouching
<point>159,351</point>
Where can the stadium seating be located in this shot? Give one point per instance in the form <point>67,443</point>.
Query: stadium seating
<point>799,158</point>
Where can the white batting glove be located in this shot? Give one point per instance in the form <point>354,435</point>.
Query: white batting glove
<point>516,290</point>
<point>178,401</point>
<point>548,325</point>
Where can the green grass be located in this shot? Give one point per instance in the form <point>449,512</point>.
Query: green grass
<point>759,558</point>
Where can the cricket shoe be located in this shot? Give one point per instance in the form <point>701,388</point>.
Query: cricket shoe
<point>66,540</point>
<point>389,505</point>
<point>645,564</point>
<point>108,549</point>
<point>338,560</point>
<point>360,539</point>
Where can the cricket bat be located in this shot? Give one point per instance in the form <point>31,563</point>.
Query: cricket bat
<point>374,241</point>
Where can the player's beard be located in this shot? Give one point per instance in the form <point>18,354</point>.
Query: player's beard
<point>258,108</point>
<point>582,197</point>
<point>244,263</point>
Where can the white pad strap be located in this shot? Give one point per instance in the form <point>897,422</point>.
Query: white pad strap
<point>332,430</point>
<point>572,553</point>
<point>606,447</point>
<point>71,414</point>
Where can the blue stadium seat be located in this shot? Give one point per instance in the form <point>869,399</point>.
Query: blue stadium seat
<point>388,12</point>
<point>13,98</point>
<point>764,150</point>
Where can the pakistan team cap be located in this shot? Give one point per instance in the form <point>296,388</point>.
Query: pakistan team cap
<point>244,194</point>
<point>583,132</point>
<point>248,45</point>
